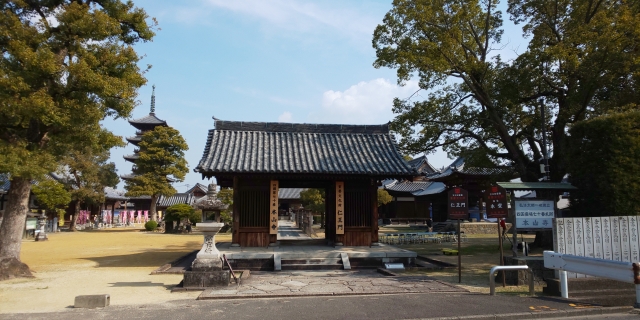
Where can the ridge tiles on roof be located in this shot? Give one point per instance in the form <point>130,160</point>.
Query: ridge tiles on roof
<point>300,127</point>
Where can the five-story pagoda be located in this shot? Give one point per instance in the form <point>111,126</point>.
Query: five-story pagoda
<point>144,124</point>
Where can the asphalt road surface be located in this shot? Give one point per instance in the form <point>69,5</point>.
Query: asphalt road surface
<point>396,306</point>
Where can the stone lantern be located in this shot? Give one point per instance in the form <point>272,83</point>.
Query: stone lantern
<point>210,204</point>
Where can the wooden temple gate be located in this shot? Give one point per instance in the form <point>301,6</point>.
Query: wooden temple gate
<point>346,161</point>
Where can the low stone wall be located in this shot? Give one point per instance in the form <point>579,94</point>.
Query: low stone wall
<point>479,227</point>
<point>521,277</point>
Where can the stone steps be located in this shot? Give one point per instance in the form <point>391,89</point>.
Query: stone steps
<point>313,264</point>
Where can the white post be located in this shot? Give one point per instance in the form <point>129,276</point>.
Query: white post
<point>564,287</point>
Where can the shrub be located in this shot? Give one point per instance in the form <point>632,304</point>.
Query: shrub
<point>151,225</point>
<point>604,166</point>
<point>195,217</point>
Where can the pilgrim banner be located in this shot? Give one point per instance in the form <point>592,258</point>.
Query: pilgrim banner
<point>339,207</point>
<point>273,207</point>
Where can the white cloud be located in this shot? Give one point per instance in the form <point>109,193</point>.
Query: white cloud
<point>368,102</point>
<point>286,117</point>
<point>303,16</point>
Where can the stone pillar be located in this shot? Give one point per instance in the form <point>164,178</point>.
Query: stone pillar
<point>42,235</point>
<point>206,269</point>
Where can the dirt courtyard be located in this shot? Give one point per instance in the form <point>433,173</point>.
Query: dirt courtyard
<point>114,261</point>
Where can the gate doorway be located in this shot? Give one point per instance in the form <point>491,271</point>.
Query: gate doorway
<point>256,159</point>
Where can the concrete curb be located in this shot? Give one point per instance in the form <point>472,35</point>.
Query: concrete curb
<point>540,315</point>
<point>312,294</point>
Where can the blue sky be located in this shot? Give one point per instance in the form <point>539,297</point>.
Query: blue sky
<point>256,60</point>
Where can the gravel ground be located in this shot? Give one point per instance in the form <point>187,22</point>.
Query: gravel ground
<point>115,261</point>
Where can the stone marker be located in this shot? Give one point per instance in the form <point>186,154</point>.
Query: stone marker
<point>394,266</point>
<point>92,301</point>
<point>345,261</point>
<point>277,262</point>
<point>206,269</point>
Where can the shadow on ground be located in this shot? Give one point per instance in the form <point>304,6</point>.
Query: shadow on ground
<point>142,284</point>
<point>149,258</point>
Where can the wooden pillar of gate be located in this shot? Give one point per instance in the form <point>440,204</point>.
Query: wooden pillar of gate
<point>235,236</point>
<point>374,212</point>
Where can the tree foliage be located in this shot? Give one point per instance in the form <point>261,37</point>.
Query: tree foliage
<point>181,212</point>
<point>161,161</point>
<point>65,66</point>
<point>582,59</point>
<point>86,173</point>
<point>313,199</point>
<point>604,165</point>
<point>383,197</point>
<point>51,194</point>
<point>226,196</point>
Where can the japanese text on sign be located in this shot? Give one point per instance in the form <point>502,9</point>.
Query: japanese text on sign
<point>534,214</point>
<point>496,199</point>
<point>458,207</point>
<point>273,207</point>
<point>339,207</point>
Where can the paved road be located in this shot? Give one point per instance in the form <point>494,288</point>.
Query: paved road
<point>288,231</point>
<point>396,306</point>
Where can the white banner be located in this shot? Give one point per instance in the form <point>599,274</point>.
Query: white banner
<point>610,238</point>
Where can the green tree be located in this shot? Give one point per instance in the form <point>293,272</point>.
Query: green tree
<point>161,162</point>
<point>582,59</point>
<point>65,66</point>
<point>604,165</point>
<point>51,194</point>
<point>86,174</point>
<point>180,212</point>
<point>226,196</point>
<point>383,197</point>
<point>313,199</point>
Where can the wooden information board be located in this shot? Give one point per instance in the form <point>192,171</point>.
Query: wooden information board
<point>458,207</point>
<point>339,207</point>
<point>273,207</point>
<point>496,199</point>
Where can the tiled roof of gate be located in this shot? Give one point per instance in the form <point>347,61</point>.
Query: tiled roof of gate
<point>199,187</point>
<point>177,198</point>
<point>5,183</point>
<point>262,147</point>
<point>289,193</point>
<point>416,188</point>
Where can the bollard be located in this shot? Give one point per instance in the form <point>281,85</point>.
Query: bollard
<point>492,278</point>
<point>92,301</point>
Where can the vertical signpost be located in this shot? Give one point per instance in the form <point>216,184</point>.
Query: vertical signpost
<point>497,208</point>
<point>458,209</point>
<point>339,210</point>
<point>273,207</point>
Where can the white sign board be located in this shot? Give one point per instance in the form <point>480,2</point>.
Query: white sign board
<point>534,214</point>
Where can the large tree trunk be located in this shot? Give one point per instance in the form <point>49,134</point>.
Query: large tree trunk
<point>12,229</point>
<point>152,208</point>
<point>74,218</point>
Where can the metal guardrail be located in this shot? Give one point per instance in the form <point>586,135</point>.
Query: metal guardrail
<point>492,277</point>
<point>224,257</point>
<point>610,269</point>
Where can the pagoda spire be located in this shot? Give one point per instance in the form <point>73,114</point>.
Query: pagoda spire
<point>153,99</point>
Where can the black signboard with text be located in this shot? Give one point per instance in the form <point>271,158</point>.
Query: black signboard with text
<point>458,207</point>
<point>496,200</point>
